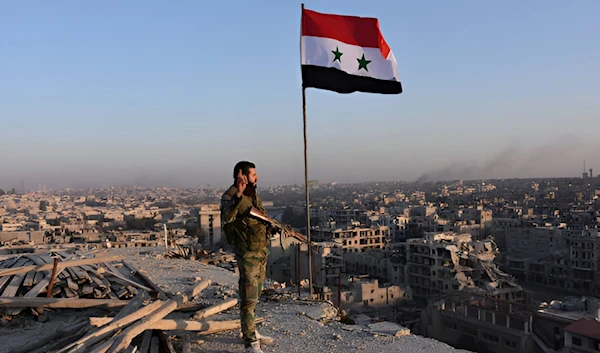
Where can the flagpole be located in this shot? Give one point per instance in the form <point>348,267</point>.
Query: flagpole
<point>310,282</point>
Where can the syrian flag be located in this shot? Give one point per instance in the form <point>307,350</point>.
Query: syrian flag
<point>346,54</point>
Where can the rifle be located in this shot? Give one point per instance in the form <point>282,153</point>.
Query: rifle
<point>285,229</point>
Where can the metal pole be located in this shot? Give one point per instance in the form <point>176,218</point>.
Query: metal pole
<point>340,291</point>
<point>299,269</point>
<point>310,280</point>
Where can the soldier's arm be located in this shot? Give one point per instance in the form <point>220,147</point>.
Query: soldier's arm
<point>233,207</point>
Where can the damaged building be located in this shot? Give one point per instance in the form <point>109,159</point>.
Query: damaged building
<point>448,262</point>
<point>289,258</point>
<point>480,324</point>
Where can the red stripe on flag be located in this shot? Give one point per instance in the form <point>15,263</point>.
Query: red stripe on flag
<point>353,30</point>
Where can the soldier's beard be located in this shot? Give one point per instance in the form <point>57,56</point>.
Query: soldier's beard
<point>250,190</point>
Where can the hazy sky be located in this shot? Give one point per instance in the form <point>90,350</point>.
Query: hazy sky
<point>176,92</point>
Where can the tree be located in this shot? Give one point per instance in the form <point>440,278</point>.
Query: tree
<point>2,192</point>
<point>12,191</point>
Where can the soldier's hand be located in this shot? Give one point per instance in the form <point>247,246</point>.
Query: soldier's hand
<point>241,183</point>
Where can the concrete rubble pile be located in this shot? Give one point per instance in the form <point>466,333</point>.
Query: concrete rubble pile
<point>137,308</point>
<point>474,267</point>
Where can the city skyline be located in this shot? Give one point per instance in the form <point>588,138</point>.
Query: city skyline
<point>137,92</point>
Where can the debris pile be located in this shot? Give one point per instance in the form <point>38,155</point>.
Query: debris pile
<point>25,277</point>
<point>41,283</point>
<point>182,252</point>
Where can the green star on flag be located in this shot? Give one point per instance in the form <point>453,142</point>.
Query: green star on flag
<point>362,63</point>
<point>338,55</point>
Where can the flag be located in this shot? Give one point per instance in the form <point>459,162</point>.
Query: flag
<point>346,54</point>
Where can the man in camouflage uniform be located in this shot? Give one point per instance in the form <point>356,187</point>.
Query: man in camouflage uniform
<point>249,237</point>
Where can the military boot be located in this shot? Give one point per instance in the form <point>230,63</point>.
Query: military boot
<point>266,340</point>
<point>254,348</point>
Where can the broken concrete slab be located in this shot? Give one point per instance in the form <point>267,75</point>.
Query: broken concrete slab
<point>321,312</point>
<point>388,328</point>
<point>351,328</point>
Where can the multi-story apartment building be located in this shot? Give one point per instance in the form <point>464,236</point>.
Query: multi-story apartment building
<point>354,239</point>
<point>481,324</point>
<point>556,257</point>
<point>442,263</point>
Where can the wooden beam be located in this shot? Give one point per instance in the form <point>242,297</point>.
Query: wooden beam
<point>203,327</point>
<point>58,303</point>
<point>217,308</point>
<point>123,340</point>
<point>83,344</point>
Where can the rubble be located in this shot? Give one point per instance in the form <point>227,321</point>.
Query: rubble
<point>140,322</point>
<point>323,312</point>
<point>388,328</point>
<point>25,277</point>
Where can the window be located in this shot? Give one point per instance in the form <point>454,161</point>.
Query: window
<point>576,341</point>
<point>490,337</point>
<point>450,325</point>
<point>510,343</point>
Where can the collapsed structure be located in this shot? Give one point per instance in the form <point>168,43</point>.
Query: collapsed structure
<point>446,262</point>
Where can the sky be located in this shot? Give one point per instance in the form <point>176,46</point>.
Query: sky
<point>163,93</point>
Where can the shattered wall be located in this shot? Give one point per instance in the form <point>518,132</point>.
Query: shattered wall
<point>456,262</point>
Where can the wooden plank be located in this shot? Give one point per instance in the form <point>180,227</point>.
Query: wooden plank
<point>133,305</point>
<point>4,280</point>
<point>146,340</point>
<point>36,259</point>
<point>113,271</point>
<point>73,275</point>
<point>10,262</point>
<point>203,327</point>
<point>72,285</point>
<point>155,345</point>
<point>217,308</point>
<point>40,287</point>
<point>47,258</point>
<point>7,258</point>
<point>186,345</point>
<point>81,274</point>
<point>64,264</point>
<point>58,303</point>
<point>97,281</point>
<point>83,344</point>
<point>15,283</point>
<point>123,340</point>
<point>86,289</point>
<point>35,291</point>
<point>166,342</point>
<point>29,277</point>
<point>39,276</point>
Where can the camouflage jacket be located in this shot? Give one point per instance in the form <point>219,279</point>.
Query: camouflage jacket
<point>246,233</point>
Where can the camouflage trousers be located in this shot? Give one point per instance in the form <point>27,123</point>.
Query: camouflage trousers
<point>252,269</point>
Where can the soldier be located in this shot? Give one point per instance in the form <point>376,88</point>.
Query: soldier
<point>249,237</point>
